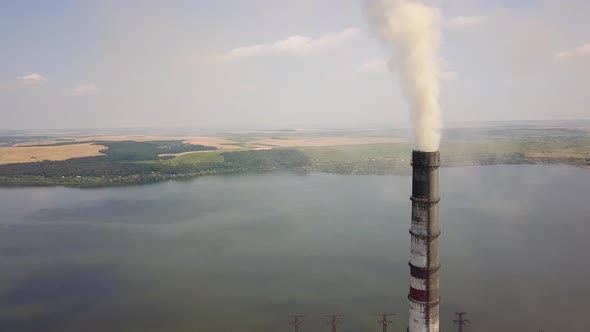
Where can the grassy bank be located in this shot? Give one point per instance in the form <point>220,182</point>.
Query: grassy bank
<point>93,171</point>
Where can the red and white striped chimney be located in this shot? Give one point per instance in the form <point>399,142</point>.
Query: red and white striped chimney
<point>424,256</point>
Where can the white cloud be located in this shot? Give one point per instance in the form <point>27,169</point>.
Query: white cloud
<point>449,75</point>
<point>84,89</point>
<point>446,72</point>
<point>464,21</point>
<point>375,65</point>
<point>294,45</point>
<point>580,51</point>
<point>31,79</point>
<point>381,65</point>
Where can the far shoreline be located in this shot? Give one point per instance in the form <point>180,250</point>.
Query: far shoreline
<point>95,183</point>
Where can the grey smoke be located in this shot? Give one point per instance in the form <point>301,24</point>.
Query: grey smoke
<point>411,30</point>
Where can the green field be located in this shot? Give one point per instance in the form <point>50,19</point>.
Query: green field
<point>126,167</point>
<point>395,158</point>
<point>196,158</point>
<point>140,162</point>
<point>348,153</point>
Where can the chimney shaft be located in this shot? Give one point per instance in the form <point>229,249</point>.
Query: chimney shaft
<point>424,256</point>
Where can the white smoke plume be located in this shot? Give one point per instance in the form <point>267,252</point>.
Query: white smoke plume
<point>411,30</point>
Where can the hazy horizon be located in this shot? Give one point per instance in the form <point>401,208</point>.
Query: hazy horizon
<point>211,129</point>
<point>278,63</point>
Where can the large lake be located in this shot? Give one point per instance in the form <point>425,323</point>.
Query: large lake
<point>240,253</point>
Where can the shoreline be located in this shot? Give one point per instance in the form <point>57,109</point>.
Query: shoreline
<point>120,181</point>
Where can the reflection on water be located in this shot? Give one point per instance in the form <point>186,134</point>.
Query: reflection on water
<point>242,252</point>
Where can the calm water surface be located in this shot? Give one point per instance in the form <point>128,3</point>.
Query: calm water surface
<point>239,253</point>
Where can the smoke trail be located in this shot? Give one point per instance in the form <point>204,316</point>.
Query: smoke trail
<point>412,28</point>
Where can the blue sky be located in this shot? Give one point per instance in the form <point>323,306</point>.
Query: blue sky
<point>74,64</point>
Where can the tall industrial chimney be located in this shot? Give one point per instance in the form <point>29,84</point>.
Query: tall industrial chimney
<point>424,255</point>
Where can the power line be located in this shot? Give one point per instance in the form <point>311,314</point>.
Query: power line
<point>334,321</point>
<point>461,321</point>
<point>296,322</point>
<point>384,320</point>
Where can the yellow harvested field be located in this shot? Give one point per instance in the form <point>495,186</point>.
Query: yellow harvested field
<point>22,154</point>
<point>183,153</point>
<point>179,154</point>
<point>218,142</point>
<point>137,138</point>
<point>324,141</point>
<point>43,142</point>
<point>226,148</point>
